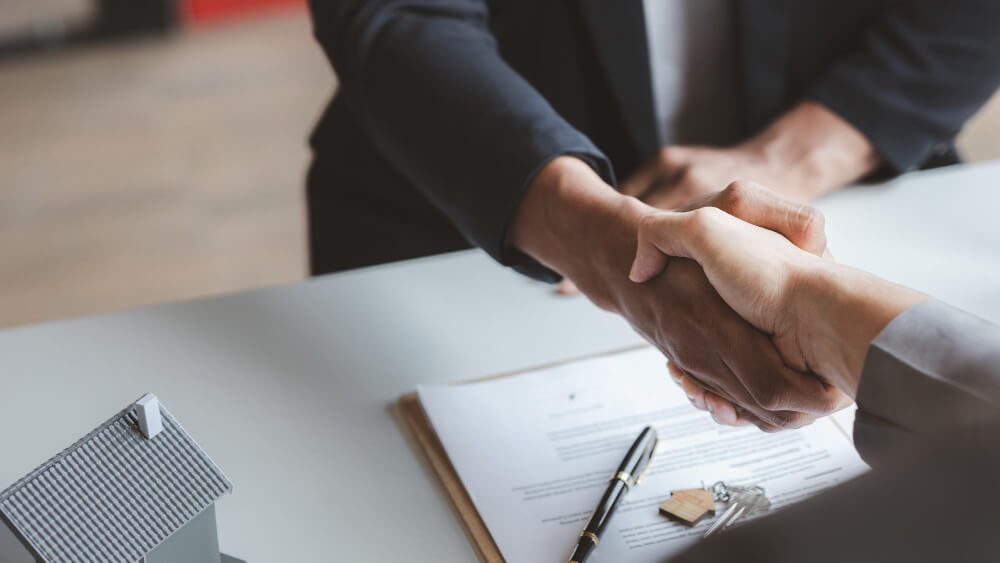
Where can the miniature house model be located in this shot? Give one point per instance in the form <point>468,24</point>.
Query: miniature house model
<point>136,489</point>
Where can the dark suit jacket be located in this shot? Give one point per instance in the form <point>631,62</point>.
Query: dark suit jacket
<point>929,423</point>
<point>447,108</point>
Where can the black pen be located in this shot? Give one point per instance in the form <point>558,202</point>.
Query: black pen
<point>629,472</point>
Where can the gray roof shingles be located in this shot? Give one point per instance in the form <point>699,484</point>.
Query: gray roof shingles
<point>114,495</point>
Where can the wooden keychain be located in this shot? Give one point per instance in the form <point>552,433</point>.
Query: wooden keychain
<point>689,505</point>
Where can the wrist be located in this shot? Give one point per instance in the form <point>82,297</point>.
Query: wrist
<point>812,150</point>
<point>849,308</point>
<point>576,224</point>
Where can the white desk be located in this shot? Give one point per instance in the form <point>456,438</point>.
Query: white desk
<point>290,388</point>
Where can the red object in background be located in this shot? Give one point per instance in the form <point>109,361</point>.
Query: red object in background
<point>202,11</point>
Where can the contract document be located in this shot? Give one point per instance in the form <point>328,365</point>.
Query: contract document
<point>535,452</point>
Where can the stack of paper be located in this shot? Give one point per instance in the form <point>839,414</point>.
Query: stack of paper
<point>535,452</point>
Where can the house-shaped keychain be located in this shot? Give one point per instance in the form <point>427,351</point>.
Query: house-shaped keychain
<point>136,489</point>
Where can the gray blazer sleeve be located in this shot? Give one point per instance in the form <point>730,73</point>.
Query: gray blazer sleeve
<point>929,414</point>
<point>934,502</point>
<point>932,367</point>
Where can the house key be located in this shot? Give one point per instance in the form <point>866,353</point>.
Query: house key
<point>742,501</point>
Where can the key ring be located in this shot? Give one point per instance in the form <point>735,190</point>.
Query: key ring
<point>720,491</point>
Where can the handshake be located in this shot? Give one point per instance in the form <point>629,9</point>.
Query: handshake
<point>737,289</point>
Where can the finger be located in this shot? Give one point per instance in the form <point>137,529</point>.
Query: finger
<point>738,394</point>
<point>777,388</point>
<point>661,235</point>
<point>801,224</point>
<point>567,287</point>
<point>671,196</point>
<point>720,403</point>
<point>740,344</point>
<point>675,372</point>
<point>744,410</point>
<point>741,419</point>
<point>723,412</point>
<point>642,180</point>
<point>699,202</point>
<point>699,387</point>
<point>695,393</point>
<point>661,169</point>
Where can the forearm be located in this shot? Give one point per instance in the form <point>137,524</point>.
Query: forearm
<point>810,151</point>
<point>426,83</point>
<point>576,224</point>
<point>846,309</point>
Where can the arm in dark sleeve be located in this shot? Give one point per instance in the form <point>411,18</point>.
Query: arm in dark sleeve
<point>932,367</point>
<point>918,75</point>
<point>428,85</point>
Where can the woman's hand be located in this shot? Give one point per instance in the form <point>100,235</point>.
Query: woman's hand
<point>821,316</point>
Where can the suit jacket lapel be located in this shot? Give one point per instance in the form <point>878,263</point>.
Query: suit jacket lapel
<point>763,43</point>
<point>618,30</point>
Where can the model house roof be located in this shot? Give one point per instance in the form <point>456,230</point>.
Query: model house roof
<point>116,494</point>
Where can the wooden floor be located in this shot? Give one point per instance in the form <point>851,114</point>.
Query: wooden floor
<point>173,168</point>
<point>157,171</point>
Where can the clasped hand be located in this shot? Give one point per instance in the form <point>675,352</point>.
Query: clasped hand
<point>573,222</point>
<point>753,247</point>
<point>820,316</point>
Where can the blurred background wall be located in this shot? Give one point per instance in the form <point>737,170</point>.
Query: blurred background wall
<point>158,153</point>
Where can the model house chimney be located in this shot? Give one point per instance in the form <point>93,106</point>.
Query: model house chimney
<point>147,410</point>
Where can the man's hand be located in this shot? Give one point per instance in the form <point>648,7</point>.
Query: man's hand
<point>807,152</point>
<point>576,224</point>
<point>679,174</point>
<point>802,225</point>
<point>821,316</point>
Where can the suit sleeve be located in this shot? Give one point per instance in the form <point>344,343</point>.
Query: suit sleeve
<point>427,83</point>
<point>917,76</point>
<point>932,367</point>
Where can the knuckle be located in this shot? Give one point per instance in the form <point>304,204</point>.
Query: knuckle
<point>832,400</point>
<point>647,224</point>
<point>733,198</point>
<point>768,398</point>
<point>804,225</point>
<point>739,188</point>
<point>812,220</point>
<point>796,420</point>
<point>668,156</point>
<point>704,216</point>
<point>769,428</point>
<point>784,419</point>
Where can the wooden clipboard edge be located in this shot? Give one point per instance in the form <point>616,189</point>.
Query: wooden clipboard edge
<point>413,414</point>
<point>415,417</point>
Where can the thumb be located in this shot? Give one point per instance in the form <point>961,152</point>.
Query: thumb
<point>661,235</point>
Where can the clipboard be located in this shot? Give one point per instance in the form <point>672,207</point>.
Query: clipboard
<point>416,419</point>
<point>414,416</point>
